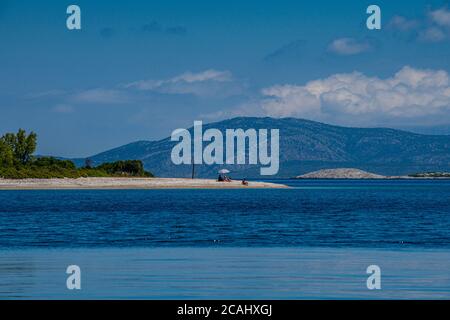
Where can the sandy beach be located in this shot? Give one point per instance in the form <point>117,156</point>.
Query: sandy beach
<point>127,183</point>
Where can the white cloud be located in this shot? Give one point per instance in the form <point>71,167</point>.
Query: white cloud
<point>402,24</point>
<point>208,75</point>
<point>349,46</point>
<point>441,16</point>
<point>205,83</point>
<point>357,98</point>
<point>432,34</point>
<point>439,30</point>
<point>433,27</point>
<point>102,96</point>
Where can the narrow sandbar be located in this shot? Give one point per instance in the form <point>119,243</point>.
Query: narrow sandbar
<point>129,183</point>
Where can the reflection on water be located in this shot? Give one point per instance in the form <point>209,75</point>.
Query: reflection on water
<point>16,276</point>
<point>227,273</point>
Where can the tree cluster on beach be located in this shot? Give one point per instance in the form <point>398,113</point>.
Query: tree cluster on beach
<point>17,148</point>
<point>17,161</point>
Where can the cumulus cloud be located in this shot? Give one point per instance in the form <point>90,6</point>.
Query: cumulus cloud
<point>432,34</point>
<point>434,26</point>
<point>439,30</point>
<point>441,16</point>
<point>349,46</point>
<point>357,98</point>
<point>402,24</point>
<point>205,83</point>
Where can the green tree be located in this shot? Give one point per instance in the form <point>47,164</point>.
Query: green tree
<point>125,168</point>
<point>21,144</point>
<point>6,155</point>
<point>17,162</point>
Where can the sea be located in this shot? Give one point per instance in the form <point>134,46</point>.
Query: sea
<point>318,239</point>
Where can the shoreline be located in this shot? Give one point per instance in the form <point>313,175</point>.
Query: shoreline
<point>358,174</point>
<point>129,183</point>
<point>383,178</point>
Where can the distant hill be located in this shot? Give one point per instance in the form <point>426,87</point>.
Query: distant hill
<point>306,146</point>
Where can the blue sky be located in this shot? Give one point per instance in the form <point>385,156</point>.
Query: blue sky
<point>139,69</point>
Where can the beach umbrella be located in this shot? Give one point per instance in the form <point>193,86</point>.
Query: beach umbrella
<point>224,171</point>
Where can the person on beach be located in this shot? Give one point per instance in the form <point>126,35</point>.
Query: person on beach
<point>244,182</point>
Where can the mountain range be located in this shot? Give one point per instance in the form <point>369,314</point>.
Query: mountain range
<point>305,146</point>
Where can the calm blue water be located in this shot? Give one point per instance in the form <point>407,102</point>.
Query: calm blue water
<point>313,241</point>
<point>224,273</point>
<point>371,214</point>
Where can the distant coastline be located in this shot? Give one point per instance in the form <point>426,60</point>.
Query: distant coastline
<point>352,173</point>
<point>129,183</point>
